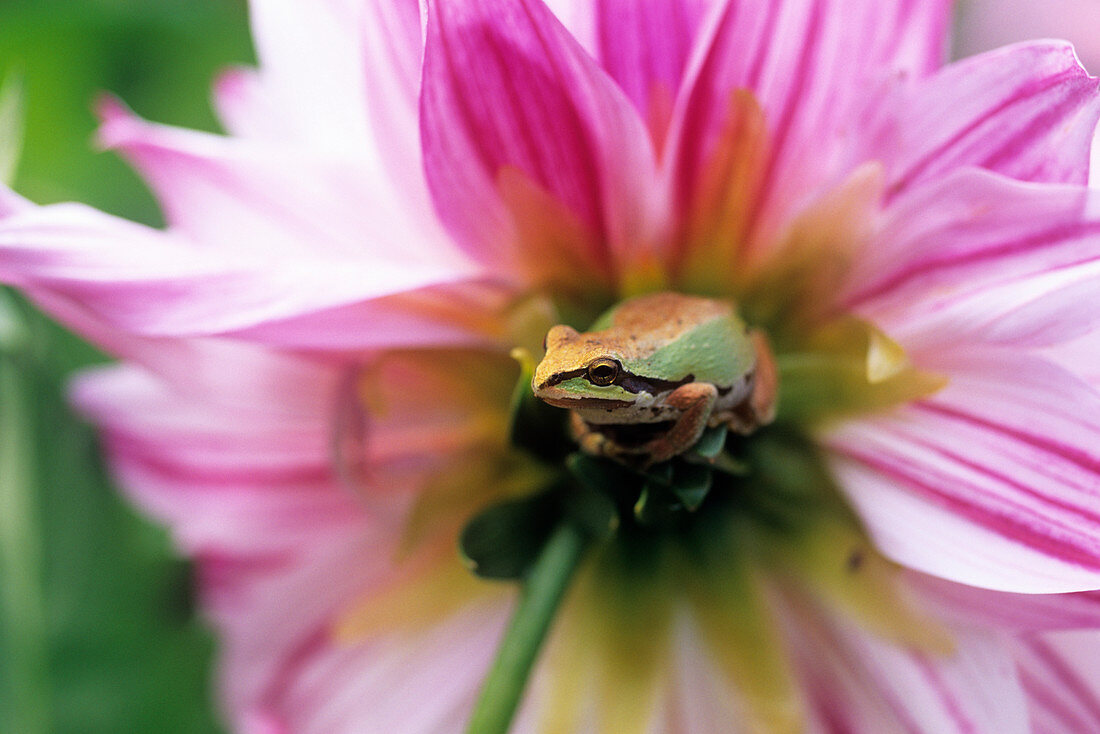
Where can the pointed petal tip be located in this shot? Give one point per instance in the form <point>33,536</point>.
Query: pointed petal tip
<point>231,79</point>
<point>262,721</point>
<point>117,122</point>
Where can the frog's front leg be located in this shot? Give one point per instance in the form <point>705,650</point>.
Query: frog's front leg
<point>695,401</point>
<point>590,441</point>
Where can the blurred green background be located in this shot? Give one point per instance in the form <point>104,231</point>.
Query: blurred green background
<point>99,631</point>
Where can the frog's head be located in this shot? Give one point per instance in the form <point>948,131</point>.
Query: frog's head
<point>585,372</point>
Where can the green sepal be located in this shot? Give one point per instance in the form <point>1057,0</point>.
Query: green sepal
<point>691,483</point>
<point>601,475</point>
<point>644,508</point>
<point>846,368</point>
<point>504,540</point>
<point>594,512</point>
<point>671,488</point>
<point>661,474</point>
<point>710,452</point>
<point>657,506</point>
<point>726,464</point>
<point>712,442</point>
<point>655,502</point>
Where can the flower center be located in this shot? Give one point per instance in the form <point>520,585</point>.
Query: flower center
<point>673,439</point>
<point>745,514</point>
<point>717,523</point>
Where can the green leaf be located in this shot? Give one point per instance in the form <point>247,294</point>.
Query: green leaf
<point>712,442</point>
<point>656,506</point>
<point>691,484</point>
<point>728,465</point>
<point>504,540</point>
<point>644,508</point>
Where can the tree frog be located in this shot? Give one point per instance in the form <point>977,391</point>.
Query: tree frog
<point>654,372</point>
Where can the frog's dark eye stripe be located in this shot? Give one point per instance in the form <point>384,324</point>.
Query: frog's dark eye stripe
<point>624,379</point>
<point>603,371</point>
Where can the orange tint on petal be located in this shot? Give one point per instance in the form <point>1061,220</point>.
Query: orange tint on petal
<point>408,413</point>
<point>795,287</point>
<point>659,113</point>
<point>553,249</point>
<point>722,204</point>
<point>434,401</point>
<point>439,420</point>
<point>476,307</point>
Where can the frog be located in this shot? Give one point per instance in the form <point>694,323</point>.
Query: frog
<point>654,372</point>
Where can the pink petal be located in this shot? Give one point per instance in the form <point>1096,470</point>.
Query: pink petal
<point>997,476</point>
<point>247,110</point>
<point>280,660</point>
<point>469,313</point>
<point>12,203</point>
<point>645,47</point>
<point>975,256</point>
<point>1027,111</point>
<point>254,196</point>
<point>812,65</point>
<point>1061,674</point>
<point>339,76</point>
<point>507,89</point>
<point>1080,356</point>
<point>312,58</point>
<point>282,549</point>
<point>392,39</point>
<point>155,284</point>
<point>228,472</point>
<point>701,698</point>
<point>971,606</point>
<point>859,683</point>
<point>381,684</point>
<point>580,17</point>
<point>248,489</point>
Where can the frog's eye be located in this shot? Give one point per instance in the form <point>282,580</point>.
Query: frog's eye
<point>603,371</point>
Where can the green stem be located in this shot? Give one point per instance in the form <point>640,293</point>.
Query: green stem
<point>542,595</point>
<point>21,596</point>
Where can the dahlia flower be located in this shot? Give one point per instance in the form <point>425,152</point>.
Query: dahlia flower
<point>316,385</point>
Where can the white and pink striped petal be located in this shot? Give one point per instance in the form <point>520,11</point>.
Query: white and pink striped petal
<point>997,477</point>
